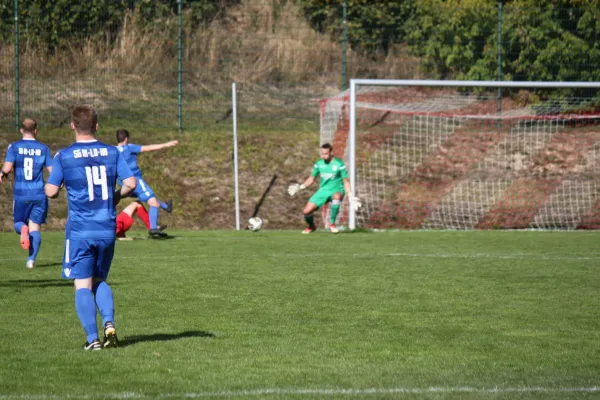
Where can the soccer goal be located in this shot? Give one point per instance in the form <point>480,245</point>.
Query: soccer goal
<point>469,154</point>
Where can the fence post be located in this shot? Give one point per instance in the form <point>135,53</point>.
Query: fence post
<point>235,155</point>
<point>499,58</point>
<point>179,68</point>
<point>344,83</point>
<point>17,80</point>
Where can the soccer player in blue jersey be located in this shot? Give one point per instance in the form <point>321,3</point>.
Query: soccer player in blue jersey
<point>89,171</point>
<point>28,157</point>
<point>143,191</point>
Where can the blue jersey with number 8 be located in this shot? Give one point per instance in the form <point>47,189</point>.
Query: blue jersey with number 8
<point>89,170</point>
<point>29,157</point>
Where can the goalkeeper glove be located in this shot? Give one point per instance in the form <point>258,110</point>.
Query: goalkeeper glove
<point>295,188</point>
<point>355,203</point>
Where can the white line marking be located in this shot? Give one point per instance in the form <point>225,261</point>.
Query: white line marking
<point>498,256</point>
<point>321,392</point>
<point>514,256</point>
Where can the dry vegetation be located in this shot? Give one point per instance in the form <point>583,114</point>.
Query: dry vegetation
<point>280,62</point>
<point>248,44</point>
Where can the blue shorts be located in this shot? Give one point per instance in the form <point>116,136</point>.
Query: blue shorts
<point>87,258</point>
<point>35,211</point>
<point>142,191</point>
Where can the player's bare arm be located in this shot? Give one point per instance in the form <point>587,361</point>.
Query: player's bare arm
<point>51,190</point>
<point>6,168</point>
<point>155,147</point>
<point>128,186</point>
<point>295,188</point>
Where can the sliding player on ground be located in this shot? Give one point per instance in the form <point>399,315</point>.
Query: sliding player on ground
<point>125,219</point>
<point>334,184</point>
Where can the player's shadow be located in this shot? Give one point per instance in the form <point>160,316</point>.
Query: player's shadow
<point>161,337</point>
<point>36,283</point>
<point>55,264</point>
<point>162,237</point>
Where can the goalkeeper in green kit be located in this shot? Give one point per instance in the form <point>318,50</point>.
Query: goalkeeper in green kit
<point>334,184</point>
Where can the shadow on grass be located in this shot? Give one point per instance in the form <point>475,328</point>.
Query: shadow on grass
<point>36,283</point>
<point>161,337</point>
<point>56,264</point>
<point>162,237</point>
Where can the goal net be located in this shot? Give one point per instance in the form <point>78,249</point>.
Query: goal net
<point>469,155</point>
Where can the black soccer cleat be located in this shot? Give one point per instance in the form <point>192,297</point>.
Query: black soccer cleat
<point>95,345</point>
<point>169,208</point>
<point>110,336</point>
<point>162,227</point>
<point>156,233</point>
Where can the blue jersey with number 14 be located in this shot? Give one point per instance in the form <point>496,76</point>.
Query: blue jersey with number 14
<point>29,157</point>
<point>89,170</point>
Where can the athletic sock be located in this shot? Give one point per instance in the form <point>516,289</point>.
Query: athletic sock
<point>35,240</point>
<point>143,214</point>
<point>153,217</point>
<point>104,301</point>
<point>335,208</point>
<point>310,220</point>
<point>164,206</point>
<point>86,310</point>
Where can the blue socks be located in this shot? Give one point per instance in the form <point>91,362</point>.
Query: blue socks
<point>153,212</point>
<point>104,301</point>
<point>86,310</point>
<point>35,240</point>
<point>19,226</point>
<point>164,206</point>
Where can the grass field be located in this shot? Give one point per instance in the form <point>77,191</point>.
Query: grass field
<point>274,314</point>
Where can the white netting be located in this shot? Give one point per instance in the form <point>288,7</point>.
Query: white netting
<point>439,158</point>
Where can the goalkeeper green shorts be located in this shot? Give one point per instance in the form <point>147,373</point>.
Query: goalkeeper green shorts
<point>324,196</point>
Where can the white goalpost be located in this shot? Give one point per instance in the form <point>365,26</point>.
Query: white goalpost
<point>426,154</point>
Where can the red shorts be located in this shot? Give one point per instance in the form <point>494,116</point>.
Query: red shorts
<point>124,223</point>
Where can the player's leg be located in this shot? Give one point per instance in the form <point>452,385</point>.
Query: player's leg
<point>103,292</point>
<point>309,217</point>
<point>144,193</point>
<point>21,211</point>
<point>156,230</point>
<point>336,200</point>
<point>142,213</point>
<point>37,217</point>
<point>78,264</point>
<point>316,201</point>
<point>124,223</point>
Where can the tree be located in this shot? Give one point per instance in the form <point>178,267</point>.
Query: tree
<point>373,25</point>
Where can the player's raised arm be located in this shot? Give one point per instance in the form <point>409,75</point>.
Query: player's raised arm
<point>154,147</point>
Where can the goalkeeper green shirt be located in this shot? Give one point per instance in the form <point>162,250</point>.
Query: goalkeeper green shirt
<point>331,174</point>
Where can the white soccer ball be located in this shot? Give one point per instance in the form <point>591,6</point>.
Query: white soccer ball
<point>254,224</point>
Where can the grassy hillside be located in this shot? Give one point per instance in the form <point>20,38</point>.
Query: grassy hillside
<point>198,174</point>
